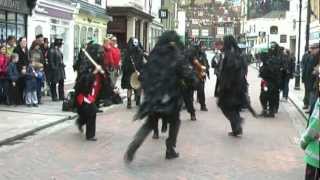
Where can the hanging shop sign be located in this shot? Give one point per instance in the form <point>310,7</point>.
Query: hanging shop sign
<point>163,13</point>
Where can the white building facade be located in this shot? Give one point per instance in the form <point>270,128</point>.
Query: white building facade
<point>284,29</point>
<point>55,19</point>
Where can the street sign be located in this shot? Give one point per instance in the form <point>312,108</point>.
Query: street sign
<point>163,13</point>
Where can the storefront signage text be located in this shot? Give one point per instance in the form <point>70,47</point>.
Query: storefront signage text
<point>42,10</point>
<point>163,13</point>
<point>10,4</point>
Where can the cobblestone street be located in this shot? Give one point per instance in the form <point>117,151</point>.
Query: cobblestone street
<point>267,150</point>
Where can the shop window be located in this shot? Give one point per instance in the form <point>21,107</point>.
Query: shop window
<point>90,34</point>
<point>96,35</point>
<point>76,40</point>
<point>38,30</point>
<point>283,38</point>
<point>20,31</point>
<point>2,32</point>
<point>76,36</point>
<point>20,19</point>
<point>2,16</point>
<point>11,17</point>
<point>98,2</point>
<point>83,36</point>
<point>11,30</point>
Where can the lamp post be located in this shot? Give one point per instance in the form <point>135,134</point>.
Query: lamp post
<point>297,74</point>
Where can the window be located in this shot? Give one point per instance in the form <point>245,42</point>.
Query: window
<point>98,2</point>
<point>273,30</point>
<point>38,30</point>
<point>2,16</point>
<point>96,35</point>
<point>90,34</point>
<point>283,38</point>
<point>83,35</point>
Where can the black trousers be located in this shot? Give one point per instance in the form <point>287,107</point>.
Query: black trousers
<point>216,89</point>
<point>306,96</point>
<point>53,89</point>
<point>201,94</point>
<point>233,115</point>
<point>87,116</point>
<point>174,125</point>
<point>270,100</point>
<point>156,125</point>
<point>13,94</point>
<point>312,173</point>
<point>187,95</point>
<point>21,86</point>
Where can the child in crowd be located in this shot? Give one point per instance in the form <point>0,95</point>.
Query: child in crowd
<point>13,76</point>
<point>31,85</point>
<point>3,75</point>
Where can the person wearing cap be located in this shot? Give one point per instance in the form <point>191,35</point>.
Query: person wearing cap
<point>56,72</point>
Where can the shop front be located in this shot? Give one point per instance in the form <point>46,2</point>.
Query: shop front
<point>13,19</point>
<point>55,19</point>
<point>90,25</point>
<point>130,22</point>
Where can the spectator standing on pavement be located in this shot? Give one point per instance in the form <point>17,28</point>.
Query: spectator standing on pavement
<point>312,75</point>
<point>215,63</point>
<point>23,61</point>
<point>310,144</point>
<point>56,72</point>
<point>45,65</point>
<point>13,76</point>
<point>4,61</point>
<point>37,57</point>
<point>116,55</point>
<point>11,45</point>
<point>31,98</point>
<point>308,63</point>
<point>287,73</point>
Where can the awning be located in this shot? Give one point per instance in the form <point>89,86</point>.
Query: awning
<point>94,10</point>
<point>129,11</point>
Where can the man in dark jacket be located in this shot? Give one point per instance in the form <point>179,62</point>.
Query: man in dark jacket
<point>312,75</point>
<point>307,64</point>
<point>287,72</point>
<point>56,72</point>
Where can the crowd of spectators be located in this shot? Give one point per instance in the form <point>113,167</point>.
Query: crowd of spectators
<point>24,71</point>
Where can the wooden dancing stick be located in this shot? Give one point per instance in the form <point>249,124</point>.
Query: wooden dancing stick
<point>93,62</point>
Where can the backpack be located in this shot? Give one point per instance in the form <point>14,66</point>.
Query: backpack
<point>69,102</point>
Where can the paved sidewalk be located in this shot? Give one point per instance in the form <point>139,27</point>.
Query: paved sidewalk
<point>17,122</point>
<point>20,121</point>
<point>296,97</point>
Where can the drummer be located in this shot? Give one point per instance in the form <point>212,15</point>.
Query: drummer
<point>131,66</point>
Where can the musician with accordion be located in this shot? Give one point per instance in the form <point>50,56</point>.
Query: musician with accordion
<point>201,65</point>
<point>131,69</point>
